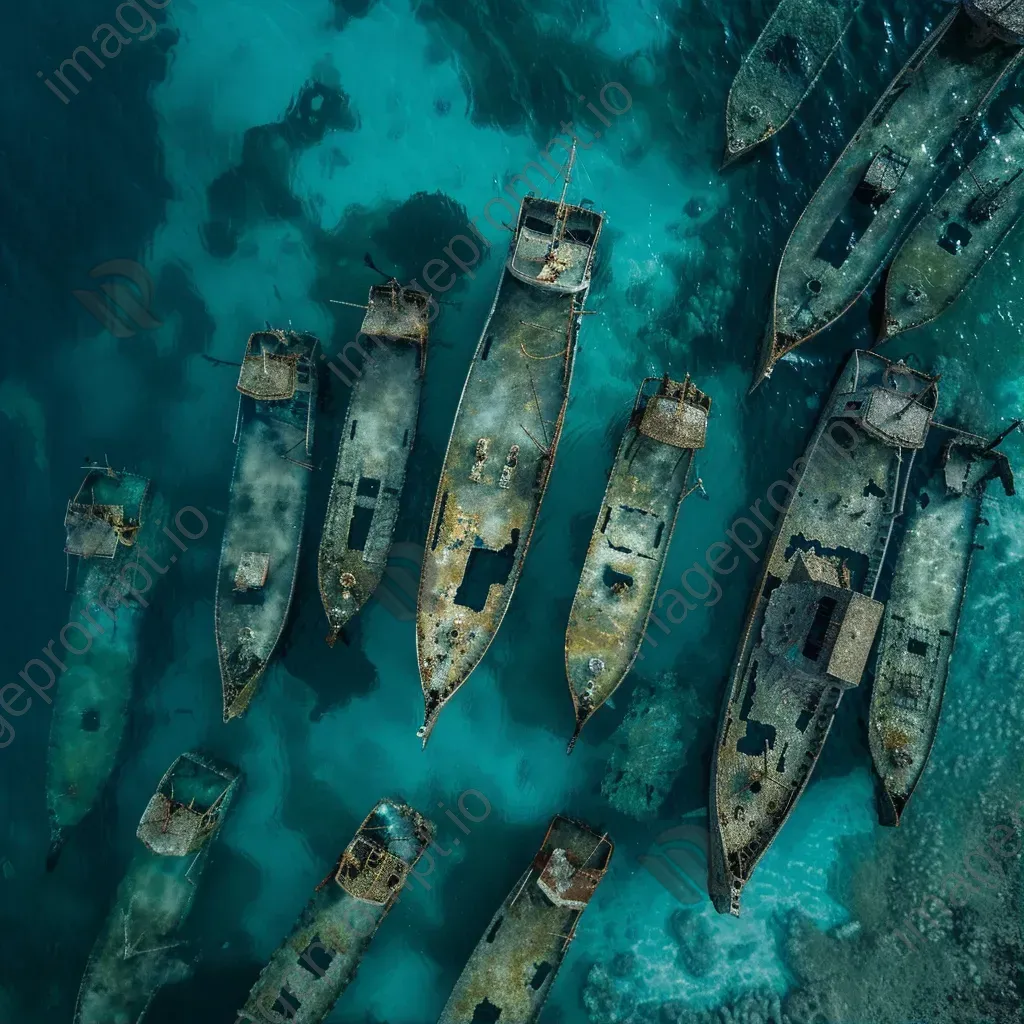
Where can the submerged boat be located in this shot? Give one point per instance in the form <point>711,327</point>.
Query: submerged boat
<point>922,613</point>
<point>630,541</point>
<point>109,524</point>
<point>260,553</point>
<point>959,235</point>
<point>377,439</point>
<point>313,966</point>
<point>134,952</point>
<point>856,218</point>
<point>503,444</point>
<point>511,971</point>
<point>813,617</point>
<point>781,69</point>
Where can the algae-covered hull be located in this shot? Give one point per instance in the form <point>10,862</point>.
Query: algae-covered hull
<point>782,68</point>
<point>502,446</point>
<point>630,541</point>
<point>313,966</point>
<point>138,949</point>
<point>263,528</point>
<point>813,618</point>
<point>511,971</point>
<point>870,197</point>
<point>376,441</point>
<point>959,235</point>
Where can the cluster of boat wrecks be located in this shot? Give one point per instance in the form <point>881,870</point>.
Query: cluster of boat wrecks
<point>866,571</point>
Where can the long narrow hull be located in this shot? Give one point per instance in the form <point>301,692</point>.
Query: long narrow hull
<point>872,194</point>
<point>962,232</point>
<point>813,618</point>
<point>781,69</point>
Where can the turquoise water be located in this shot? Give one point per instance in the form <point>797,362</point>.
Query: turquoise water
<point>247,156</point>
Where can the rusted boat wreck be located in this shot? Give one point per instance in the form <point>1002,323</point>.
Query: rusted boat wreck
<point>959,235</point>
<point>503,444</point>
<point>813,617</point>
<point>315,964</point>
<point>511,971</point>
<point>781,69</point>
<point>377,439</point>
<point>110,522</point>
<point>263,529</point>
<point>923,611</point>
<point>631,538</point>
<point>134,955</point>
<point>854,221</point>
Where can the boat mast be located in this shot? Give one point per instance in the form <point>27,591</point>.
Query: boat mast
<point>560,217</point>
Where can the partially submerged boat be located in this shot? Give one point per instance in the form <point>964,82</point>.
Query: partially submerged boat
<point>813,616</point>
<point>781,69</point>
<point>923,611</point>
<point>313,966</point>
<point>870,197</point>
<point>511,971</point>
<point>263,529</point>
<point>631,538</point>
<point>134,953</point>
<point>959,235</point>
<point>109,524</point>
<point>503,444</point>
<point>377,439</point>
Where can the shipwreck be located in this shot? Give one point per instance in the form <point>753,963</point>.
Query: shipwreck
<point>263,529</point>
<point>511,971</point>
<point>631,538</point>
<point>135,952</point>
<point>376,441</point>
<point>313,966</point>
<point>814,616</point>
<point>503,443</point>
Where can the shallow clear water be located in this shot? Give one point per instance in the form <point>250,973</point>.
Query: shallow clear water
<point>202,154</point>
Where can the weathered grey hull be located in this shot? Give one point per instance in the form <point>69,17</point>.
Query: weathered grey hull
<point>955,239</point>
<point>315,964</point>
<point>813,616</point>
<point>911,131</point>
<point>781,69</point>
<point>511,971</point>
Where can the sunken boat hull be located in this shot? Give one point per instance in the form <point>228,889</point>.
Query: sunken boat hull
<point>781,69</point>
<point>315,964</point>
<point>630,541</point>
<point>377,439</point>
<point>922,614</point>
<point>859,213</point>
<point>263,528</point>
<point>138,949</point>
<point>813,617</point>
<point>959,235</point>
<point>511,971</point>
<point>502,446</point>
<point>110,524</point>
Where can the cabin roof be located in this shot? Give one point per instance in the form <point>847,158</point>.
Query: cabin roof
<point>853,642</point>
<point>93,531</point>
<point>269,377</point>
<point>252,572</point>
<point>397,312</point>
<point>897,417</point>
<point>565,884</point>
<point>173,829</point>
<point>682,423</point>
<point>369,871</point>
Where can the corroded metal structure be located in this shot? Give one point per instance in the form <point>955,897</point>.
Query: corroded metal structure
<point>856,218</point>
<point>781,69</point>
<point>923,611</point>
<point>1004,18</point>
<point>813,618</point>
<point>377,439</point>
<point>313,966</point>
<point>110,522</point>
<point>134,952</point>
<point>511,971</point>
<point>260,553</point>
<point>630,541</point>
<point>959,235</point>
<point>503,444</point>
